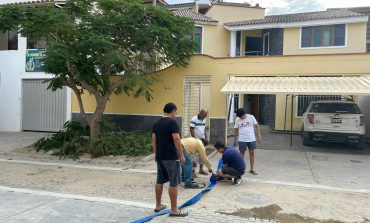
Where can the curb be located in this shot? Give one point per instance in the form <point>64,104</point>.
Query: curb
<point>148,158</point>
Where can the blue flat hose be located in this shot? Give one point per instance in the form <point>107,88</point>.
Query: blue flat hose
<point>191,201</point>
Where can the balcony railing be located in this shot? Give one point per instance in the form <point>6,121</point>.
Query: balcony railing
<point>252,53</point>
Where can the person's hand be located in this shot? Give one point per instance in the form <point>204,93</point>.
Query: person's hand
<point>259,139</point>
<point>182,159</point>
<point>234,144</point>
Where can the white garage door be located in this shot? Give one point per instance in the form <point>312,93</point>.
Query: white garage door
<point>42,109</point>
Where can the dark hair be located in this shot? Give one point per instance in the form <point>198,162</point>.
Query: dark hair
<point>240,112</point>
<point>219,145</point>
<point>204,141</point>
<point>169,107</point>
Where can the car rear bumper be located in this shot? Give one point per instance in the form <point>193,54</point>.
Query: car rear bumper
<point>336,137</point>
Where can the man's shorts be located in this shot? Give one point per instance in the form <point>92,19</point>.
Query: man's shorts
<point>232,172</point>
<point>243,146</point>
<point>196,159</point>
<point>168,170</point>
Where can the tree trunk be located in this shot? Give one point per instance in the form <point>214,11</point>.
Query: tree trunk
<point>95,119</point>
<point>95,128</point>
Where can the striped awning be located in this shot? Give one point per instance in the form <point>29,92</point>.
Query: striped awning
<point>313,85</point>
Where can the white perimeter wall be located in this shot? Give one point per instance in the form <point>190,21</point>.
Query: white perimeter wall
<point>365,108</point>
<point>12,71</point>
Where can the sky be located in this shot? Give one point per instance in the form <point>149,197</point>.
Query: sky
<point>274,7</point>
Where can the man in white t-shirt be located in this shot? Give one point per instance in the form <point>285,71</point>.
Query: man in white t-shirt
<point>198,130</point>
<point>245,136</point>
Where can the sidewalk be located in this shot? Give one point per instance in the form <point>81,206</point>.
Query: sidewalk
<point>35,208</point>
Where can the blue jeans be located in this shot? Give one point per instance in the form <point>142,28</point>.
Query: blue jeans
<point>187,168</point>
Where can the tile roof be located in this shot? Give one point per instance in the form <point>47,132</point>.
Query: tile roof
<point>20,2</point>
<point>197,17</point>
<point>298,17</point>
<point>235,4</point>
<point>180,5</point>
<point>365,9</point>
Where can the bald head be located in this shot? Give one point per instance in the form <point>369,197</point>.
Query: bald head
<point>203,113</point>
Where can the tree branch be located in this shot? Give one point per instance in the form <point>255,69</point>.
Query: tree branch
<point>116,85</point>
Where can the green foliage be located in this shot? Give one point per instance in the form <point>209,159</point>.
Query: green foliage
<point>73,142</point>
<point>89,41</point>
<point>72,130</point>
<point>120,143</point>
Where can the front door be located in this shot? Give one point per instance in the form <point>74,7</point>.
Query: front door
<point>251,105</point>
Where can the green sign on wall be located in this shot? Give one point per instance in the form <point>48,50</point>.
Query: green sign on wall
<point>34,61</point>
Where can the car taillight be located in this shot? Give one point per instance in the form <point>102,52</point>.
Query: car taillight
<point>362,120</point>
<point>310,118</point>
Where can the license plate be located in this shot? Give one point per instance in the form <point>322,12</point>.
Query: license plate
<point>336,120</point>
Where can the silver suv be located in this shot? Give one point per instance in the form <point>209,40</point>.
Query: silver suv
<point>333,121</point>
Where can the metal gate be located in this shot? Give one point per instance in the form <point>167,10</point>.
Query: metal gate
<point>196,96</point>
<point>43,109</point>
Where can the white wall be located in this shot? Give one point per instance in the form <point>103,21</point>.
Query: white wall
<point>365,108</point>
<point>12,71</point>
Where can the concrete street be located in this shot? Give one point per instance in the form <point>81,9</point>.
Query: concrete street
<point>292,186</point>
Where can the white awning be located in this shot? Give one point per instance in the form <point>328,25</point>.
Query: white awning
<point>348,85</point>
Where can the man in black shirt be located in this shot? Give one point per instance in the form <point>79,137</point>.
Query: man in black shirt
<point>169,156</point>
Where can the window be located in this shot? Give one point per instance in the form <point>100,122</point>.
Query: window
<point>9,40</point>
<point>238,43</point>
<point>304,100</point>
<point>323,36</point>
<point>335,108</point>
<point>36,43</point>
<point>196,36</point>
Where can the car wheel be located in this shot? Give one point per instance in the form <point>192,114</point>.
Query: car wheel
<point>306,140</point>
<point>359,145</point>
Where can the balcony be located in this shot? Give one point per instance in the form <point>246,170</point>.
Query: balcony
<point>263,42</point>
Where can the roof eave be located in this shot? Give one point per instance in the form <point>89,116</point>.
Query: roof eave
<point>298,24</point>
<point>197,22</point>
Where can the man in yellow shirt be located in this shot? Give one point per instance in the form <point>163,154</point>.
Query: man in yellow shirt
<point>193,146</point>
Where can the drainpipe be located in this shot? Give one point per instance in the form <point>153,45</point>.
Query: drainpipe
<point>154,2</point>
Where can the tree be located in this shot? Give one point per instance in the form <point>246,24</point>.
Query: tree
<point>103,47</point>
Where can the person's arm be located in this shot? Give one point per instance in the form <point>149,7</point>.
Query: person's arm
<point>177,141</point>
<point>258,129</point>
<point>154,145</point>
<point>258,133</point>
<point>202,153</point>
<point>236,134</point>
<point>192,133</point>
<point>205,134</point>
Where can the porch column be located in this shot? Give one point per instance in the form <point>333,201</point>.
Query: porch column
<point>232,43</point>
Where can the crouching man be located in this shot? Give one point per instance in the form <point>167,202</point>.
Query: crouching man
<point>233,163</point>
<point>193,146</point>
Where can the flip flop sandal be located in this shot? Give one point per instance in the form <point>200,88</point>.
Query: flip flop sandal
<point>204,173</point>
<point>180,214</point>
<point>253,172</point>
<point>161,209</point>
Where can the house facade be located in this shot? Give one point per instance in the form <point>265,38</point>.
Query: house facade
<point>233,40</point>
<point>238,40</point>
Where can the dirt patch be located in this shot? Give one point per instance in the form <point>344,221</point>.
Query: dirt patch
<point>272,213</point>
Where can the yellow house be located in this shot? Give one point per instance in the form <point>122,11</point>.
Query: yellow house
<point>237,43</point>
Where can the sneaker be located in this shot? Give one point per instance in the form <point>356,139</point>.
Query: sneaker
<point>238,180</point>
